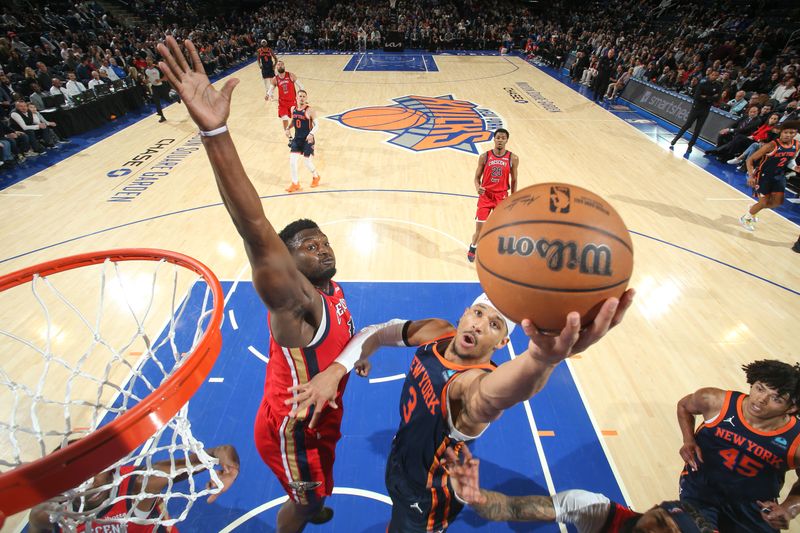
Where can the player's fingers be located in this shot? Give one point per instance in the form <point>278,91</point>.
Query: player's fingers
<point>699,453</point>
<point>450,455</point>
<point>170,75</point>
<point>197,65</point>
<point>624,304</point>
<point>570,334</point>
<point>315,418</point>
<point>180,59</point>
<point>230,85</point>
<point>333,405</point>
<point>528,328</point>
<point>171,50</point>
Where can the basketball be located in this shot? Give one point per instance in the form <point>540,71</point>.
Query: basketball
<point>550,249</point>
<point>383,118</point>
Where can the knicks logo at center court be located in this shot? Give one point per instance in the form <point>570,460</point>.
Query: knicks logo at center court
<point>422,123</point>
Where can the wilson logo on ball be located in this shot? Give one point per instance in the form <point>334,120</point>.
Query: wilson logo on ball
<point>592,259</point>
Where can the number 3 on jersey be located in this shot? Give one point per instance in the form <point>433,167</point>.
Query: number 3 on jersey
<point>746,465</point>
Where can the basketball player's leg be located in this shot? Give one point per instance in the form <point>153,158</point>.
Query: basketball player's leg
<point>771,194</point>
<point>485,207</point>
<point>308,161</point>
<point>294,157</point>
<point>306,477</point>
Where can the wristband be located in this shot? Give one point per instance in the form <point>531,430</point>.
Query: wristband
<point>212,133</point>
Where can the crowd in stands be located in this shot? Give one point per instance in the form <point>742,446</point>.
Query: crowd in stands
<point>72,46</point>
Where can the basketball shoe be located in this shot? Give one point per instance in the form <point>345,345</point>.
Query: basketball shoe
<point>315,180</point>
<point>294,187</point>
<point>748,222</point>
<point>471,254</point>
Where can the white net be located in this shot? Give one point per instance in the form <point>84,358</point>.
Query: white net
<point>82,347</point>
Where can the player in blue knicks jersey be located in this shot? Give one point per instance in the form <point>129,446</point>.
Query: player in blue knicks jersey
<point>737,458</point>
<point>452,393</point>
<point>304,122</point>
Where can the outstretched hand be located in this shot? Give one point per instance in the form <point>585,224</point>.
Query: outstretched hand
<point>319,392</point>
<point>208,107</point>
<point>573,340</point>
<point>464,475</point>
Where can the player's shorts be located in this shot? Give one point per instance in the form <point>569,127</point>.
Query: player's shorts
<point>772,184</point>
<point>301,146</point>
<point>285,109</point>
<point>723,514</point>
<point>267,72</point>
<point>486,204</point>
<point>415,511</point>
<point>301,458</point>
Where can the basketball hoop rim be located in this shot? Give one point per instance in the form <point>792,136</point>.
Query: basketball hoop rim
<point>31,483</point>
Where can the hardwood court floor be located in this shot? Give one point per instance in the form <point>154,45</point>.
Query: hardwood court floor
<point>710,295</point>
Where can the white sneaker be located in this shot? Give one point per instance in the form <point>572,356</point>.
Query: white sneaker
<point>747,222</point>
<point>734,161</point>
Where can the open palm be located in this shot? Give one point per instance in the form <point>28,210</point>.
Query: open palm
<point>208,107</point>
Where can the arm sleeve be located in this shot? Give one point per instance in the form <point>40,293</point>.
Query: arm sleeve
<point>588,511</point>
<point>391,333</point>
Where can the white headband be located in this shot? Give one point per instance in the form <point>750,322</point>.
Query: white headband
<point>483,299</point>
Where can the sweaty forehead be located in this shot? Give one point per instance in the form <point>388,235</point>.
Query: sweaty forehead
<point>310,234</point>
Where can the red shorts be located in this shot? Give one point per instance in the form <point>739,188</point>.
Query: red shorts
<point>486,205</point>
<point>301,458</point>
<point>285,109</point>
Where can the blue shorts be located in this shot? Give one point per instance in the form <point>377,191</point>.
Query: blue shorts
<point>772,184</point>
<point>724,515</point>
<point>413,511</point>
<point>301,146</point>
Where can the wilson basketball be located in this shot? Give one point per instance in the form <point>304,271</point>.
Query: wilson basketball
<point>383,118</point>
<point>553,248</point>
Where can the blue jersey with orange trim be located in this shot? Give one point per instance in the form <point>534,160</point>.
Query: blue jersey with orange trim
<point>741,463</point>
<point>424,433</point>
<point>294,366</point>
<point>775,162</point>
<point>301,122</point>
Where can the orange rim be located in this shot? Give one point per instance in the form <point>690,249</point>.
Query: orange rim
<point>32,483</point>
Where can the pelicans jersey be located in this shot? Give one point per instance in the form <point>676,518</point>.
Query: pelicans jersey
<point>496,174</point>
<point>287,93</point>
<point>741,463</point>
<point>415,476</point>
<point>495,181</point>
<point>122,509</point>
<point>302,458</point>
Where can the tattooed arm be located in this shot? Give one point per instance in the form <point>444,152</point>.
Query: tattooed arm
<point>501,508</point>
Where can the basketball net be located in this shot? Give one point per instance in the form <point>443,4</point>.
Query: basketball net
<point>83,347</point>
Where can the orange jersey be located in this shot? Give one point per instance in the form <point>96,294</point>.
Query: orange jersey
<point>288,367</point>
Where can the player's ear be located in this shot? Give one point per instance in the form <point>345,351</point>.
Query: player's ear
<point>502,343</point>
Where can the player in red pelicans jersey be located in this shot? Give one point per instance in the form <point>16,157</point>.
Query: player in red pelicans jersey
<point>589,512</point>
<point>134,482</point>
<point>495,175</point>
<point>308,318</point>
<point>287,85</point>
<point>769,179</point>
<point>737,458</point>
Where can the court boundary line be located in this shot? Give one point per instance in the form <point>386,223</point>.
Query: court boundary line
<point>345,491</point>
<point>611,463</point>
<point>537,441</point>
<point>394,191</point>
